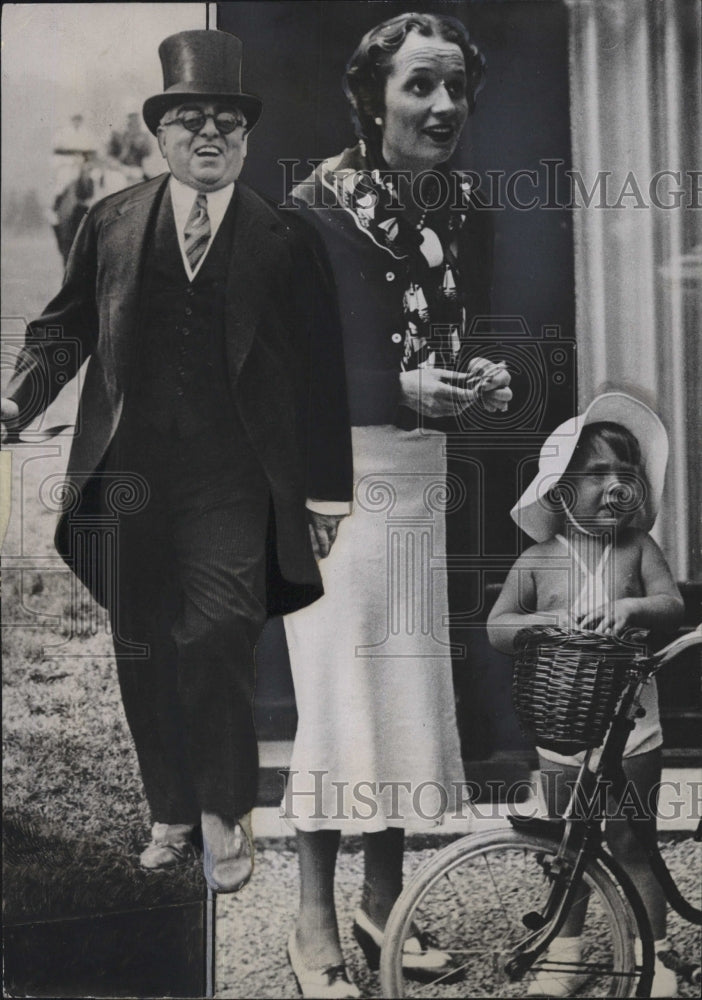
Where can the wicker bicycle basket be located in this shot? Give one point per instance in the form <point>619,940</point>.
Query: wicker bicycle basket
<point>567,685</point>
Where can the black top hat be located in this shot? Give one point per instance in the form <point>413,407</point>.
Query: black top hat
<point>202,64</point>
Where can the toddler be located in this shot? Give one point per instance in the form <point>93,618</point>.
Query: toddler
<point>595,567</point>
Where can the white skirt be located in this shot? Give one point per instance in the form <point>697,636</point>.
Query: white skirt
<point>377,742</point>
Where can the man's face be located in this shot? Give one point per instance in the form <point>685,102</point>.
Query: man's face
<point>208,159</point>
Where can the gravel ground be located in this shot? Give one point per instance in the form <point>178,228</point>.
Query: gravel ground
<point>253,926</point>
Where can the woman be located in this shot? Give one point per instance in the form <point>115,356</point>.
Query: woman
<point>377,748</point>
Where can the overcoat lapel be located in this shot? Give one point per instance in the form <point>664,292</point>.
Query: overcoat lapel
<point>253,255</point>
<point>126,237</point>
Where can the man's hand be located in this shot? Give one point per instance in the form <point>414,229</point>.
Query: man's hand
<point>439,392</point>
<point>9,410</point>
<point>323,529</point>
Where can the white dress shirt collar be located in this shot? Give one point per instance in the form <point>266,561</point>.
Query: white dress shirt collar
<point>183,198</point>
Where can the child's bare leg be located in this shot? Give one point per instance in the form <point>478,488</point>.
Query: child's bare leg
<point>561,974</point>
<point>640,799</point>
<point>558,781</point>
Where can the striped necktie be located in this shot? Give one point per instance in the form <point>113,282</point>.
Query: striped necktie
<point>197,231</point>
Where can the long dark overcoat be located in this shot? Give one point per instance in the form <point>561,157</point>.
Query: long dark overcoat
<point>284,357</point>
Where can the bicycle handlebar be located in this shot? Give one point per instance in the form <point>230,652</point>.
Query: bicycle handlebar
<point>673,649</point>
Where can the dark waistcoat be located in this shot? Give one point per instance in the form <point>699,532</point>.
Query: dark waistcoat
<point>182,383</point>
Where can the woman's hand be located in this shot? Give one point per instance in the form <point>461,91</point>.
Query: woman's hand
<point>439,392</point>
<point>494,380</point>
<point>436,392</point>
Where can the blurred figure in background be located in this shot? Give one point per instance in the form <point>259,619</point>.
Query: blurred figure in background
<point>83,174</point>
<point>71,146</point>
<point>130,146</point>
<point>74,149</point>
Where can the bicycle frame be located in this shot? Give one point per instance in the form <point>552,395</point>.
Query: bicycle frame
<point>581,838</point>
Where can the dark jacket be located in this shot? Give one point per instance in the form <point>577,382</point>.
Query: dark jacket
<point>371,281</point>
<point>284,361</point>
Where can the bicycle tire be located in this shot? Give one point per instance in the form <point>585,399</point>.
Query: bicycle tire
<point>472,895</point>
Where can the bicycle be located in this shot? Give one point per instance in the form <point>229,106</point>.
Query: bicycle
<point>511,889</point>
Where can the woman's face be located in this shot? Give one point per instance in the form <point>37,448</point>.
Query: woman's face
<point>426,104</point>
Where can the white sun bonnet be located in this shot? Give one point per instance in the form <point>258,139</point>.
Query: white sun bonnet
<point>535,514</point>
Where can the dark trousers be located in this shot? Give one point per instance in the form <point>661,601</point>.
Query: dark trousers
<point>191,589</point>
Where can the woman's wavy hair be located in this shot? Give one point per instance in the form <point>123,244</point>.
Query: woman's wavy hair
<point>369,67</point>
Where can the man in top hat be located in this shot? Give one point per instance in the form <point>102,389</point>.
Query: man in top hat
<point>212,430</point>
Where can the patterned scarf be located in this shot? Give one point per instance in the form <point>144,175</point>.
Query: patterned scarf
<point>434,316</point>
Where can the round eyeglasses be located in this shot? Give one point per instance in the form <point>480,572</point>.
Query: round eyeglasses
<point>225,121</point>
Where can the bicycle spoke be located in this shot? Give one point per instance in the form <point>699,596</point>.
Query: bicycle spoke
<point>488,865</point>
<point>475,909</point>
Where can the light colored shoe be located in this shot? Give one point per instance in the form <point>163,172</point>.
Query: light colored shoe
<point>330,983</point>
<point>170,845</point>
<point>422,959</point>
<point>553,977</point>
<point>228,852</point>
<point>665,981</point>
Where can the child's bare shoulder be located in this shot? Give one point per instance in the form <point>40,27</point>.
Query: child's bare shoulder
<point>645,547</point>
<point>633,540</point>
<point>536,555</point>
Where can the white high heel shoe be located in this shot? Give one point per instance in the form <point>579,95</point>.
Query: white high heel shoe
<point>329,983</point>
<point>422,959</point>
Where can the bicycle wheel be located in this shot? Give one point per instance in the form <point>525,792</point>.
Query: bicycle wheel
<point>472,897</point>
